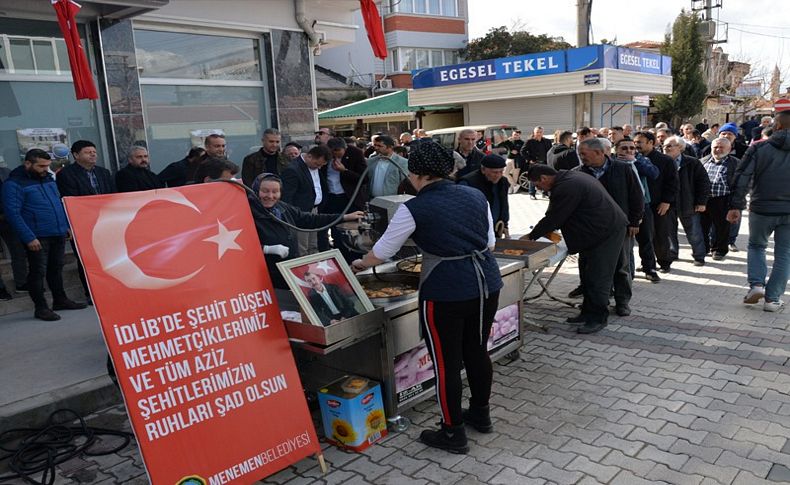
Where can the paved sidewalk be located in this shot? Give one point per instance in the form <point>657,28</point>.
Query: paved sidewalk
<point>690,389</point>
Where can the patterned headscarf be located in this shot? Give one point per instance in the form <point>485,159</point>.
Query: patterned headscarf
<point>430,158</point>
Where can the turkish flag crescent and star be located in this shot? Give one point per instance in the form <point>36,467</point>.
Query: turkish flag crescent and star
<point>373,25</point>
<point>84,87</point>
<point>189,316</point>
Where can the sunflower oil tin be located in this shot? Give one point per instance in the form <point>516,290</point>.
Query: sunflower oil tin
<point>352,412</point>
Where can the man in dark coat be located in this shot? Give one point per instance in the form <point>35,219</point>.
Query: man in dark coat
<point>84,177</point>
<point>663,192</point>
<point>623,186</point>
<point>469,152</point>
<point>343,174</point>
<point>183,171</point>
<point>593,225</point>
<point>694,189</point>
<point>137,174</point>
<point>305,186</point>
<point>268,159</point>
<point>329,303</point>
<point>490,180</point>
<point>562,156</point>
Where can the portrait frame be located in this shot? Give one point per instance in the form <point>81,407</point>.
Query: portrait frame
<point>293,269</point>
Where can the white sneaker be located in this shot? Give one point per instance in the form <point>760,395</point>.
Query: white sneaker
<point>756,293</point>
<point>773,306</point>
<point>734,248</point>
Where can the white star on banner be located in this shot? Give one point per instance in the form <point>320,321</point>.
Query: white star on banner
<point>225,239</point>
<point>325,267</point>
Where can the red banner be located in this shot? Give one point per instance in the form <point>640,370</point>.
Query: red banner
<point>188,313</point>
<point>372,19</point>
<point>66,11</point>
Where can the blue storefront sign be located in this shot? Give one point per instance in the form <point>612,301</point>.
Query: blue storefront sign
<point>544,63</point>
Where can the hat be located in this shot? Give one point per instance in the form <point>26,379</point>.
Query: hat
<point>493,161</point>
<point>731,127</point>
<point>430,158</point>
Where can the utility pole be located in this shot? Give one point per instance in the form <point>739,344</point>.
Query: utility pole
<point>583,101</point>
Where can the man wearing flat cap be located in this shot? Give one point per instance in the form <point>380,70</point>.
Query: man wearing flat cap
<point>489,179</point>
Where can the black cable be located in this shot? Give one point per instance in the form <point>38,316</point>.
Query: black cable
<point>30,451</point>
<point>331,224</point>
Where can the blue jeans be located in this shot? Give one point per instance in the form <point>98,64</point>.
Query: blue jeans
<point>760,228</point>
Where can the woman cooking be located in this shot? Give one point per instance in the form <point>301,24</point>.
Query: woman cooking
<point>278,240</point>
<point>459,287</point>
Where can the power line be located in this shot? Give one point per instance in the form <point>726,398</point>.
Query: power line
<point>760,34</point>
<point>761,26</point>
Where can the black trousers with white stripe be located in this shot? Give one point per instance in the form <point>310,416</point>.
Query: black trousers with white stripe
<point>452,334</point>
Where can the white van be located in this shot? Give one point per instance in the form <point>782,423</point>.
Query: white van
<point>488,136</point>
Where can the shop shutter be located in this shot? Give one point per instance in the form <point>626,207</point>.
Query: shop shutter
<point>602,103</point>
<point>554,113</point>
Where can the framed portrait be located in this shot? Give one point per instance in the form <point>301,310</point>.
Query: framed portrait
<point>325,287</point>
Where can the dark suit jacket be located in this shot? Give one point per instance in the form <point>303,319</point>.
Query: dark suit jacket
<point>626,190</point>
<point>298,187</point>
<point>343,303</point>
<point>354,161</point>
<point>133,179</point>
<point>73,181</point>
<point>694,185</point>
<point>665,187</point>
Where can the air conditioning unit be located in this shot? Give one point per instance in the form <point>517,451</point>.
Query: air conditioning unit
<point>384,83</point>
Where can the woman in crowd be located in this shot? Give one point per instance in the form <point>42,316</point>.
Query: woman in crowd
<point>459,287</point>
<point>279,241</point>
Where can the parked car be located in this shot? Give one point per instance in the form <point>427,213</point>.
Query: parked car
<point>489,136</point>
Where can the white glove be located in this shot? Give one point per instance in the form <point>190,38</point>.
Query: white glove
<point>277,250</point>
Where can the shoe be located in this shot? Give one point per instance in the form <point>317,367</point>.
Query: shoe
<point>67,305</point>
<point>640,269</point>
<point>479,418</point>
<point>576,292</point>
<point>533,196</point>
<point>756,293</point>
<point>448,438</point>
<point>698,262</point>
<point>21,289</point>
<point>664,269</point>
<point>652,277</point>
<point>545,195</point>
<point>5,295</point>
<point>622,309</point>
<point>580,318</point>
<point>773,306</point>
<point>734,248</point>
<point>593,325</point>
<point>46,314</point>
<point>718,257</point>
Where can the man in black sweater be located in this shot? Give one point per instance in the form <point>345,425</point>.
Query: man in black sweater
<point>620,181</point>
<point>137,174</point>
<point>593,225</point>
<point>534,152</point>
<point>663,192</point>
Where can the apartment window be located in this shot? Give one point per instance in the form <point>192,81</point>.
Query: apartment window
<point>192,82</point>
<point>446,8</point>
<point>36,92</point>
<point>407,58</point>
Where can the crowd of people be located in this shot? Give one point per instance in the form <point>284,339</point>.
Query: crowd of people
<point>658,180</point>
<point>609,191</point>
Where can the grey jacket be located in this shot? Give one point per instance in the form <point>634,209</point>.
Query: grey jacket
<point>765,170</point>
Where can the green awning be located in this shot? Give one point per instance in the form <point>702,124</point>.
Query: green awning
<point>386,105</point>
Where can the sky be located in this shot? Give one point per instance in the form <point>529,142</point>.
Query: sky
<point>758,31</point>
